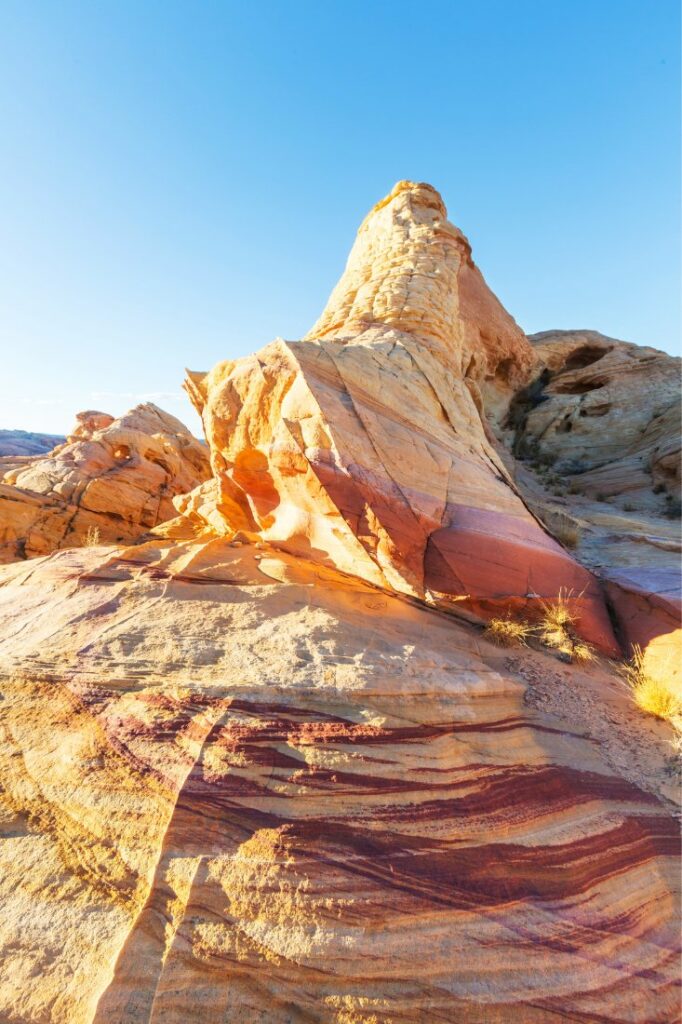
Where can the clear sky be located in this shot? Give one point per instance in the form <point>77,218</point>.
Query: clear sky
<point>180,182</point>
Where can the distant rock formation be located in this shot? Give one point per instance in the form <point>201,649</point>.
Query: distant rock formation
<point>109,482</point>
<point>19,448</point>
<point>25,442</point>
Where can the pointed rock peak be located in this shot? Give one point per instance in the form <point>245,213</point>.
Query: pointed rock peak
<point>402,270</point>
<point>411,270</point>
<point>417,195</point>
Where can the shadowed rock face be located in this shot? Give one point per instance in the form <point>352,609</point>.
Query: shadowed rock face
<point>365,445</point>
<point>609,414</point>
<point>253,774</point>
<point>111,481</point>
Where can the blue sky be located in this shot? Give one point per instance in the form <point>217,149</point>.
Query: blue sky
<point>180,182</point>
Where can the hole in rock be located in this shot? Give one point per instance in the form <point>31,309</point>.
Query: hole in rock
<point>578,387</point>
<point>595,410</point>
<point>585,356</point>
<point>503,369</point>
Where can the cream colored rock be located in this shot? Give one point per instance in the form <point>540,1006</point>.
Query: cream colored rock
<point>259,769</point>
<point>240,787</point>
<point>111,480</point>
<point>366,447</point>
<point>411,269</point>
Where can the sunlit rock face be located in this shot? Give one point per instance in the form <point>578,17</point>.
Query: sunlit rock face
<point>365,446</point>
<point>262,768</point>
<point>112,480</point>
<point>241,787</point>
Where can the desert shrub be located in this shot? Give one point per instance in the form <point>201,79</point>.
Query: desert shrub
<point>556,622</point>
<point>508,632</point>
<point>557,630</point>
<point>658,488</point>
<point>601,496</point>
<point>575,488</point>
<point>560,524</point>
<point>582,652</point>
<point>653,694</point>
<point>572,467</point>
<point>92,537</point>
<point>628,507</point>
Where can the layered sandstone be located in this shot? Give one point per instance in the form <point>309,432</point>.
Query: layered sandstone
<point>111,481</point>
<point>365,446</point>
<point>602,421</point>
<point>241,787</point>
<point>266,767</point>
<point>608,413</point>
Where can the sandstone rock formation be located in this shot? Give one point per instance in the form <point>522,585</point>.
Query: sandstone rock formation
<point>111,480</point>
<point>365,445</point>
<point>19,448</point>
<point>607,413</point>
<point>241,787</point>
<point>264,767</point>
<point>602,421</point>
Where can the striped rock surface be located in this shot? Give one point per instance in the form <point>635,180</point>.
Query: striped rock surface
<point>240,787</point>
<point>366,446</point>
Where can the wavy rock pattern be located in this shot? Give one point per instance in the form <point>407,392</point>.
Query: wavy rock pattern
<point>264,768</point>
<point>365,447</point>
<point>247,789</point>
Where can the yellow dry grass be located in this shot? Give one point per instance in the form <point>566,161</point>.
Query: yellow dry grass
<point>556,630</point>
<point>92,537</point>
<point>651,693</point>
<point>508,633</point>
<point>555,623</point>
<point>582,652</point>
<point>569,533</point>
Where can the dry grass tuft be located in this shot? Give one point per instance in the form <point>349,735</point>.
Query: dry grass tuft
<point>651,694</point>
<point>582,652</point>
<point>556,630</point>
<point>92,537</point>
<point>556,622</point>
<point>507,632</point>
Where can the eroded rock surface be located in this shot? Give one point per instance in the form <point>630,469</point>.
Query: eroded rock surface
<point>365,446</point>
<point>241,787</point>
<point>112,480</point>
<point>263,768</point>
<point>607,413</point>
